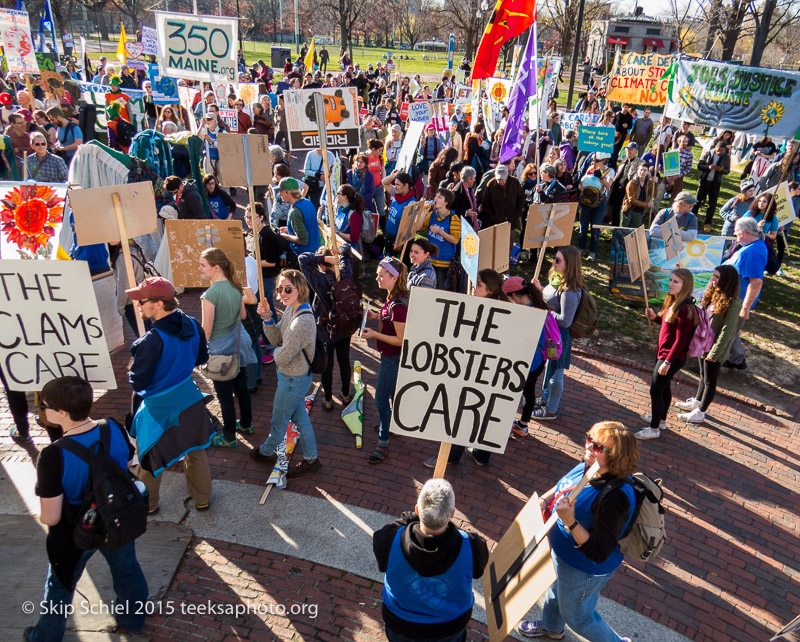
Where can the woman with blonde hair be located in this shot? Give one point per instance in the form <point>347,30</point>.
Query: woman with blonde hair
<point>584,542</point>
<point>678,318</point>
<point>295,338</point>
<point>223,310</point>
<point>391,276</point>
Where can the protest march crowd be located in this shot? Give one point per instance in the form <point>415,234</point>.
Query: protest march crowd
<point>430,165</point>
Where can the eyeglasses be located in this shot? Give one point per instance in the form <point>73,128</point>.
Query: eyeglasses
<point>143,301</point>
<point>288,289</point>
<point>596,446</point>
<point>557,260</point>
<point>44,406</point>
<point>40,144</point>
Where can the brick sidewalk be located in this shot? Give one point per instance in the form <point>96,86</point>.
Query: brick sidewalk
<point>729,571</point>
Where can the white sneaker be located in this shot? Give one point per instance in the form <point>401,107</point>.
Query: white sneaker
<point>647,433</point>
<point>690,404</point>
<point>592,256</point>
<point>779,272</point>
<point>646,416</point>
<point>696,416</point>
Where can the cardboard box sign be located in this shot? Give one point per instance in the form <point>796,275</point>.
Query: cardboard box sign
<point>232,163</point>
<point>460,378</point>
<point>495,245</point>
<point>95,220</point>
<point>562,220</point>
<point>51,325</point>
<point>187,240</point>
<point>638,253</point>
<point>411,221</point>
<point>673,243</point>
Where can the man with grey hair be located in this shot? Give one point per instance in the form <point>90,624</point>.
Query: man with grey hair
<point>750,261</point>
<point>429,565</point>
<point>43,166</point>
<point>464,201</point>
<point>548,189</point>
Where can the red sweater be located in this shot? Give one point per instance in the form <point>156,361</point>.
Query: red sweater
<point>675,337</point>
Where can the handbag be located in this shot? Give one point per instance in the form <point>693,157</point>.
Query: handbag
<point>223,367</point>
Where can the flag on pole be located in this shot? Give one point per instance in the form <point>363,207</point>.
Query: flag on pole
<point>121,45</point>
<point>525,87</point>
<point>509,19</point>
<point>308,61</point>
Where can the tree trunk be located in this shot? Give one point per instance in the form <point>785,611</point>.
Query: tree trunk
<point>102,25</point>
<point>713,26</point>
<point>762,31</point>
<point>733,29</point>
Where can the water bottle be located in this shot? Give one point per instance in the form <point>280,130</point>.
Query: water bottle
<point>142,490</point>
<point>89,519</point>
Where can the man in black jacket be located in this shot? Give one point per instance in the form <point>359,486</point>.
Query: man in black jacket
<point>187,196</point>
<point>626,172</point>
<point>713,165</point>
<point>429,564</point>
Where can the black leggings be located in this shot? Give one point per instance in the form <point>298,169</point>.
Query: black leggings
<point>18,405</point>
<point>707,386</point>
<point>342,350</point>
<point>661,392</point>
<point>225,391</point>
<point>529,393</point>
<point>780,245</point>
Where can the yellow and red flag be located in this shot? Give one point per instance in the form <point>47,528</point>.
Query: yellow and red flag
<point>509,19</point>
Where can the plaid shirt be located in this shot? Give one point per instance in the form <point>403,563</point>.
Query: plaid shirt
<point>686,159</point>
<point>50,169</point>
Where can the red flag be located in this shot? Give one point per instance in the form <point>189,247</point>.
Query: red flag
<point>509,19</point>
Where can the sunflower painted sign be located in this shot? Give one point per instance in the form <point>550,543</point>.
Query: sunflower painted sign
<point>30,220</point>
<point>470,250</point>
<point>745,99</point>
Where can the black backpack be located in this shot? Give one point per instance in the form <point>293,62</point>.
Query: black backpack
<point>125,132</point>
<point>344,317</point>
<point>317,364</point>
<point>113,512</point>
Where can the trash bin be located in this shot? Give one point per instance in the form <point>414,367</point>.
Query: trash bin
<point>279,56</point>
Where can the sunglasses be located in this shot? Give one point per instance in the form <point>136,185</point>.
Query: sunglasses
<point>40,144</point>
<point>288,289</point>
<point>143,301</point>
<point>596,446</point>
<point>558,260</point>
<point>44,406</point>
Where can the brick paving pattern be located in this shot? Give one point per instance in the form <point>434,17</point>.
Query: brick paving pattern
<point>729,571</point>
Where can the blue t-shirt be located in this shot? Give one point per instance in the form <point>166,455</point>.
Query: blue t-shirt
<point>750,262</point>
<point>771,226</point>
<point>218,208</point>
<point>395,215</point>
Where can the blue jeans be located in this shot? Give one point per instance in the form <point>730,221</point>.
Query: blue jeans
<point>384,394</point>
<point>572,600</point>
<point>553,386</point>
<point>591,216</point>
<point>130,588</point>
<point>254,369</point>
<point>269,295</point>
<point>290,405</point>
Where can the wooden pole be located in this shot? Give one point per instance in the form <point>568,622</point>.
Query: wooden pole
<point>126,253</point>
<point>644,293</point>
<point>543,249</point>
<point>253,216</point>
<point>441,460</point>
<point>319,105</point>
<point>658,154</point>
<point>24,166</point>
<point>265,494</point>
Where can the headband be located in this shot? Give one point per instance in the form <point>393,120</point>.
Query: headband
<point>386,264</point>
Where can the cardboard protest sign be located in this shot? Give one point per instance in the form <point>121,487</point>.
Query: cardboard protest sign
<point>230,118</point>
<point>671,233</point>
<point>460,379</point>
<point>516,594</point>
<point>247,92</point>
<point>149,41</point>
<point>470,250</point>
<point>96,221</point>
<point>573,120</point>
<point>751,100</point>
<point>596,139</point>
<point>410,222</point>
<point>420,112</point>
<point>15,38</point>
<point>784,210</point>
<point>462,94</point>
<point>410,143</point>
<point>165,90</point>
<point>197,47</point>
<point>562,219</point>
<point>188,238</point>
<point>441,116</point>
<point>341,118</point>
<point>634,75</point>
<point>232,167</point>
<point>638,254</point>
<point>33,217</point>
<point>495,246</point>
<point>51,325</point>
<point>186,96</point>
<point>672,163</point>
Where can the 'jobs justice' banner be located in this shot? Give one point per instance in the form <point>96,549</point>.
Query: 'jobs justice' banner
<point>341,118</point>
<point>461,376</point>
<point>634,75</point>
<point>751,100</point>
<point>51,325</point>
<point>197,47</point>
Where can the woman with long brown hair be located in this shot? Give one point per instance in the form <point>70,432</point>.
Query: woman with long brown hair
<point>439,169</point>
<point>222,307</point>
<point>722,303</point>
<point>678,318</point>
<point>168,114</point>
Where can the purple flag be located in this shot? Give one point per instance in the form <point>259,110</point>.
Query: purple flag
<point>524,88</point>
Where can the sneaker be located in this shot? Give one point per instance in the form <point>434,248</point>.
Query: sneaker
<point>735,366</point>
<point>202,508</point>
<point>245,430</point>
<point>780,272</point>
<point>20,439</point>
<point>646,416</point>
<point>647,433</point>
<point>305,466</point>
<point>696,416</point>
<point>706,228</point>
<point>257,455</point>
<point>690,404</point>
<point>346,399</point>
<point>540,401</point>
<point>267,358</point>
<point>519,430</point>
<point>219,441</point>
<point>543,414</point>
<point>535,629</point>
<point>584,253</point>
<point>592,256</point>
<point>471,453</point>
<point>430,462</point>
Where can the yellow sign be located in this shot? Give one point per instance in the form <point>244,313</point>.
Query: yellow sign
<point>633,77</point>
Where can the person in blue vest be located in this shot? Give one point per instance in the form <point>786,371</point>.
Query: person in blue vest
<point>444,231</point>
<point>401,187</point>
<point>682,211</point>
<point>170,420</point>
<point>429,564</point>
<point>221,204</point>
<point>302,228</point>
<point>429,148</point>
<point>584,542</point>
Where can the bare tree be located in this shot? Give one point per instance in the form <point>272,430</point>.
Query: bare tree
<point>682,16</point>
<point>469,18</point>
<point>773,18</point>
<point>562,16</point>
<point>347,13</point>
<point>414,19</point>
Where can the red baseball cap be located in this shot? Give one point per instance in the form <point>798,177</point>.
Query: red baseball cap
<point>154,287</point>
<point>513,284</point>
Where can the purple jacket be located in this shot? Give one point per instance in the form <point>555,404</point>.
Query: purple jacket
<point>568,153</point>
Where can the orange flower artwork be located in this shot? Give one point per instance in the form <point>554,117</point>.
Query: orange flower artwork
<point>29,215</point>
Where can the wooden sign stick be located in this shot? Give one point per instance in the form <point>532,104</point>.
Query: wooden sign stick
<point>441,460</point>
<point>253,216</point>
<point>544,244</point>
<point>319,105</point>
<point>655,178</point>
<point>24,166</point>
<point>126,253</point>
<point>644,293</point>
